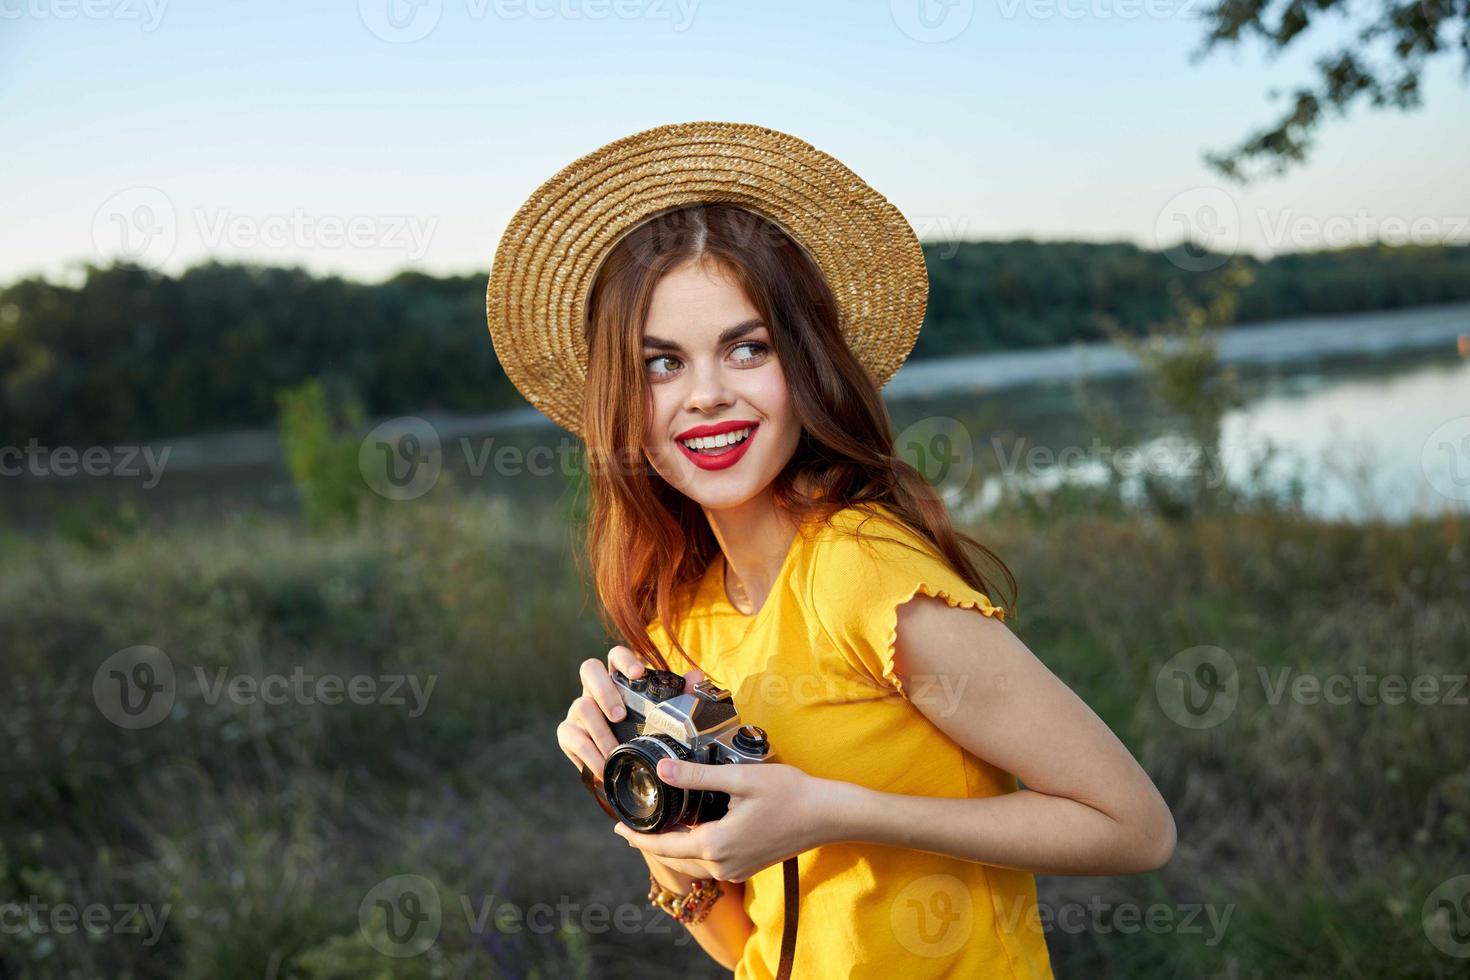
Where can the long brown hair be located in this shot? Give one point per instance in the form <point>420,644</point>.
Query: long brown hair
<point>646,541</point>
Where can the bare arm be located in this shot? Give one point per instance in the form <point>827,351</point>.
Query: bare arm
<point>1087,807</point>
<point>724,931</point>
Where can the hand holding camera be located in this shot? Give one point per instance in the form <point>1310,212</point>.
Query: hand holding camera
<point>630,717</point>
<point>586,736</point>
<point>663,762</point>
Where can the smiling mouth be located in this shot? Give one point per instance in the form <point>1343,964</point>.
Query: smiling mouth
<point>717,445</point>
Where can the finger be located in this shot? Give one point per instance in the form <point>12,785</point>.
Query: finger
<point>694,869</point>
<point>597,684</point>
<point>683,846</point>
<point>731,778</point>
<point>589,716</point>
<point>692,679</point>
<point>578,747</point>
<point>623,659</point>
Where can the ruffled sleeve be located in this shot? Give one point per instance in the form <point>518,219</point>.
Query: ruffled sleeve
<point>860,578</point>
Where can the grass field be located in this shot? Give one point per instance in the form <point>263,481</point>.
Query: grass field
<point>238,838</point>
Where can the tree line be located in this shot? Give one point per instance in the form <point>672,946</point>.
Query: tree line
<point>130,353</point>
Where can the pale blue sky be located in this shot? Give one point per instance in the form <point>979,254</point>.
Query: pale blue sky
<point>259,130</point>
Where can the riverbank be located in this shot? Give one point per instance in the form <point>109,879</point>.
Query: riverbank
<point>1278,342</point>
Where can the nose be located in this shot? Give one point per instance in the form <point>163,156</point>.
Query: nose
<point>707,390</point>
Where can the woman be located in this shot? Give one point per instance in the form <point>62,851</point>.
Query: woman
<point>741,299</point>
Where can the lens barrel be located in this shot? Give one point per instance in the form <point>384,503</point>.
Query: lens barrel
<point>642,800</point>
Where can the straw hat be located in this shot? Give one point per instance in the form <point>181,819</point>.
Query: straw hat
<point>536,300</point>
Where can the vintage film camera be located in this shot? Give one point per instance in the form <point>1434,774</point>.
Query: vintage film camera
<point>663,721</point>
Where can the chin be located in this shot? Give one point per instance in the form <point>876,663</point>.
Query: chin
<point>715,489</point>
<point>725,498</point>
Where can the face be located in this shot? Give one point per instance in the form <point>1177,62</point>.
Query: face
<point>710,361</point>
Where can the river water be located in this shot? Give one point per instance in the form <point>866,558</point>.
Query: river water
<point>1369,414</point>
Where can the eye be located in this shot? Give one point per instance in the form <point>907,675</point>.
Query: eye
<point>759,351</point>
<point>649,362</point>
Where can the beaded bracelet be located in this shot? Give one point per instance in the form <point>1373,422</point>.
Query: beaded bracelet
<point>689,909</point>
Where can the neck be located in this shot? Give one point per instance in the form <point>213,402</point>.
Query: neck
<point>755,538</point>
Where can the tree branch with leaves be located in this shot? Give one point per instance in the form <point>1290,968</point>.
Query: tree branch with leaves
<point>1383,65</point>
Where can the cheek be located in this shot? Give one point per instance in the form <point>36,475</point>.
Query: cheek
<point>769,394</point>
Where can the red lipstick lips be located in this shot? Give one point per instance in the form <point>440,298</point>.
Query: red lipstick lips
<point>724,457</point>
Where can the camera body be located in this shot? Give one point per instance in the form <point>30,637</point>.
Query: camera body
<point>664,722</point>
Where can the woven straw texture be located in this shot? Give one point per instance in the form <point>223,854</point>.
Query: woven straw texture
<point>535,302</point>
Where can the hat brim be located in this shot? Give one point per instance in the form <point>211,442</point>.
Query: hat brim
<point>535,301</point>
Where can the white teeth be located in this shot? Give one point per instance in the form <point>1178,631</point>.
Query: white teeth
<point>716,442</point>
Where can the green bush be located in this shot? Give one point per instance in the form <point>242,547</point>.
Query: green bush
<point>321,453</point>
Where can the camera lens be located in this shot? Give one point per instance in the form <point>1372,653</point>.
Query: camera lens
<point>637,790</point>
<point>642,800</point>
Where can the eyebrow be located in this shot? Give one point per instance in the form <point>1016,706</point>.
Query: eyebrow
<point>726,335</point>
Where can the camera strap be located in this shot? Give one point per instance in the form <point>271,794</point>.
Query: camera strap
<point>788,927</point>
<point>791,882</point>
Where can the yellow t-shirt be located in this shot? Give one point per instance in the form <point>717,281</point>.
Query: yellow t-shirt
<point>814,668</point>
